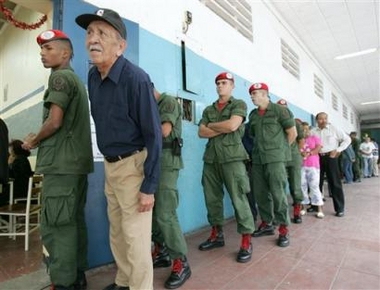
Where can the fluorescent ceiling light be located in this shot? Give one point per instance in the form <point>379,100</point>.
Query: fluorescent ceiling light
<point>354,54</point>
<point>370,103</point>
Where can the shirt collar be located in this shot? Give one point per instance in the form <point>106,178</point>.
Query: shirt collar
<point>229,101</point>
<point>115,71</point>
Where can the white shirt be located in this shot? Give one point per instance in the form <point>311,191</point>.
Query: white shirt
<point>332,138</point>
<point>367,148</point>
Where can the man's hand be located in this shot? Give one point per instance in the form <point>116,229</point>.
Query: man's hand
<point>334,154</point>
<point>29,142</point>
<point>146,202</point>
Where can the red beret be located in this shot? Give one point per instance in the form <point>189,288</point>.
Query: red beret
<point>282,102</point>
<point>224,76</point>
<point>50,35</point>
<point>258,86</point>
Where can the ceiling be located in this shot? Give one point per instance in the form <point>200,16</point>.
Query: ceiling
<point>330,28</point>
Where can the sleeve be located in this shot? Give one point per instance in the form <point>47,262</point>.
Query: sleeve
<point>205,119</point>
<point>286,118</point>
<point>59,90</point>
<point>150,125</point>
<point>170,110</point>
<point>239,109</point>
<point>344,140</point>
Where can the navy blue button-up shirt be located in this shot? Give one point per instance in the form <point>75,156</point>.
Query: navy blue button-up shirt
<point>126,116</point>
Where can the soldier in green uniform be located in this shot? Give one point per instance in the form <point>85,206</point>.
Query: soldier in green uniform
<point>293,169</point>
<point>222,123</point>
<point>167,236</point>
<point>273,128</point>
<point>65,158</point>
<point>356,167</point>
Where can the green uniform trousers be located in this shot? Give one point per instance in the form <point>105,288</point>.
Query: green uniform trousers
<point>165,225</point>
<point>293,170</point>
<point>234,176</point>
<point>269,183</point>
<point>63,226</point>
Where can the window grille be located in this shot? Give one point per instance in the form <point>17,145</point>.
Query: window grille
<point>237,14</point>
<point>290,60</point>
<point>345,112</point>
<point>334,101</point>
<point>318,86</point>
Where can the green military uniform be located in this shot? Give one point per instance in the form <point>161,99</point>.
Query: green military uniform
<point>165,226</point>
<point>270,153</point>
<point>65,159</point>
<point>224,164</point>
<point>356,166</point>
<point>293,168</point>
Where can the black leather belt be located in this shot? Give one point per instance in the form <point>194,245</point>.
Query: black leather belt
<point>325,154</point>
<point>112,159</point>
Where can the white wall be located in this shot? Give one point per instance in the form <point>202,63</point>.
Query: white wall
<point>211,37</point>
<point>20,65</point>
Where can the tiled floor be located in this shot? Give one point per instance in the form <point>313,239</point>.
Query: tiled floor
<point>333,253</point>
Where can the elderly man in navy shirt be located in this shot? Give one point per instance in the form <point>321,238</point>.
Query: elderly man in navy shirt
<point>129,136</point>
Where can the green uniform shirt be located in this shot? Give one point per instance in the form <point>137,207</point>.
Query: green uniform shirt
<point>68,150</point>
<point>225,147</point>
<point>271,144</point>
<point>170,111</point>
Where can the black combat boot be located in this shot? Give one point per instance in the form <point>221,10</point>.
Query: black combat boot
<point>215,240</point>
<point>245,252</point>
<point>297,214</point>
<point>180,273</point>
<point>160,256</point>
<point>283,238</point>
<point>264,229</point>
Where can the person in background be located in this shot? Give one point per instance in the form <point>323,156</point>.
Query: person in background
<point>356,166</point>
<point>169,242</point>
<point>248,145</point>
<point>222,124</point>
<point>128,133</point>
<point>19,168</point>
<point>348,159</point>
<point>366,149</point>
<point>375,159</point>
<point>293,169</point>
<point>334,141</point>
<point>65,159</point>
<point>4,143</point>
<point>274,130</point>
<point>310,172</point>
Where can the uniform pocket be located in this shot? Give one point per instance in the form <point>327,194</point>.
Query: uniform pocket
<point>59,208</point>
<point>243,183</point>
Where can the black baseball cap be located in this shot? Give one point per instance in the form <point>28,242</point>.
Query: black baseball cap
<point>106,15</point>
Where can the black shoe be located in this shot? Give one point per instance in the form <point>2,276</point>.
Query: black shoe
<point>180,273</point>
<point>297,219</point>
<point>161,259</point>
<point>266,230</point>
<point>311,209</point>
<point>340,214</point>
<point>216,240</point>
<point>283,240</point>
<point>81,282</point>
<point>114,286</point>
<point>244,256</point>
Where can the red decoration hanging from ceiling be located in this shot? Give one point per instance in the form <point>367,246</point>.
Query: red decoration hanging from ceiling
<point>19,24</point>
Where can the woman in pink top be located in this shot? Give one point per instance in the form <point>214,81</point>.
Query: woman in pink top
<point>310,171</point>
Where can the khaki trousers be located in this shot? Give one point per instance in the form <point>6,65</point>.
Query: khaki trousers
<point>130,230</point>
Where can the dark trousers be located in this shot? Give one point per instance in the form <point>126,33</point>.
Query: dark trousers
<point>330,166</point>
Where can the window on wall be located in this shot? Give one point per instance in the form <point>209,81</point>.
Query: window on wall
<point>334,101</point>
<point>318,86</point>
<point>238,14</point>
<point>290,60</point>
<point>345,111</point>
<point>352,118</point>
